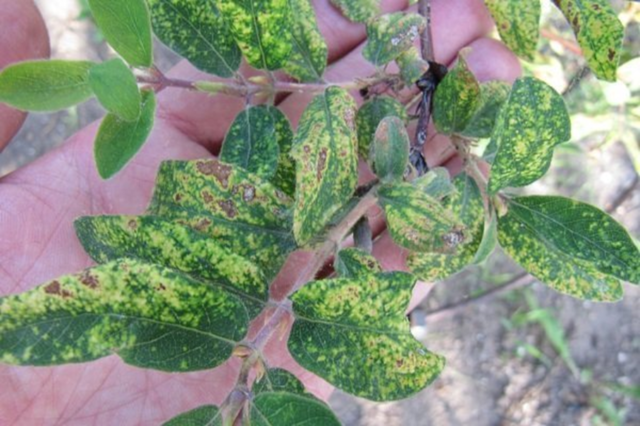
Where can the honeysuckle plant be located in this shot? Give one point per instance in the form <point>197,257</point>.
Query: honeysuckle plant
<point>177,288</point>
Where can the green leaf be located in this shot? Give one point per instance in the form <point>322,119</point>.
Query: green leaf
<point>456,99</point>
<point>353,262</point>
<point>285,177</point>
<point>390,151</point>
<point>391,34</point>
<point>354,333</point>
<point>327,163</point>
<point>247,215</point>
<point>599,33</point>
<point>279,380</point>
<point>253,141</point>
<point>118,140</point>
<point>116,88</point>
<point>493,95</point>
<point>531,124</point>
<point>369,117</point>
<point>411,65</point>
<point>357,10</point>
<point>160,241</point>
<point>308,58</point>
<point>150,316</point>
<point>127,27</point>
<point>518,23</point>
<point>205,415</point>
<point>196,30</point>
<point>45,85</point>
<point>466,204</point>
<point>489,239</point>
<point>436,183</point>
<point>262,29</point>
<point>418,222</point>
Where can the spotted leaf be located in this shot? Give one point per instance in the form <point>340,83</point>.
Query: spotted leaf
<point>247,215</point>
<point>309,53</point>
<point>150,316</point>
<point>411,65</point>
<point>205,415</point>
<point>390,150</point>
<point>599,33</point>
<point>262,29</point>
<point>352,262</point>
<point>196,30</point>
<point>493,95</point>
<point>533,121</point>
<point>518,23</point>
<point>391,34</point>
<point>354,333</point>
<point>358,10</point>
<point>369,117</point>
<point>325,153</point>
<point>116,88</point>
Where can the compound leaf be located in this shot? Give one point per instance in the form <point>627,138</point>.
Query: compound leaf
<point>308,57</point>
<point>369,116</point>
<point>352,262</point>
<point>196,30</point>
<point>353,332</point>
<point>325,152</point>
<point>357,10</point>
<point>391,34</point>
<point>118,140</point>
<point>205,415</point>
<point>45,85</point>
<point>150,316</point>
<point>518,23</point>
<point>116,88</point>
<point>599,33</point>
<point>262,29</point>
<point>530,125</point>
<point>493,95</point>
<point>390,150</point>
<point>127,27</point>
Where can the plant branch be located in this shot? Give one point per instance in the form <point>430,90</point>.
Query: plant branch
<point>426,39</point>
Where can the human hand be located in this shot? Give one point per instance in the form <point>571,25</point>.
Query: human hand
<point>41,201</point>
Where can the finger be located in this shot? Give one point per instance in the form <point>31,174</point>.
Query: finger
<point>23,36</point>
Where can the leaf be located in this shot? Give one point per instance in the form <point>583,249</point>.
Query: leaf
<point>262,29</point>
<point>369,117</point>
<point>599,33</point>
<point>309,55</point>
<point>467,205</point>
<point>45,85</point>
<point>353,332</point>
<point>205,415</point>
<point>279,380</point>
<point>116,88</point>
<point>489,239</point>
<point>327,162</point>
<point>416,221</point>
<point>160,241</point>
<point>118,140</point>
<point>533,121</point>
<point>285,177</point>
<point>127,27</point>
<point>456,99</point>
<point>245,214</point>
<point>493,95</point>
<point>253,141</point>
<point>436,183</point>
<point>357,10</point>
<point>353,262</point>
<point>391,34</point>
<point>390,150</point>
<point>197,31</point>
<point>518,23</point>
<point>411,65</point>
<point>150,316</point>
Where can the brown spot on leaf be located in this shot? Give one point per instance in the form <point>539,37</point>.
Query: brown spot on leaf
<point>202,225</point>
<point>216,169</point>
<point>132,224</point>
<point>177,197</point>
<point>248,193</point>
<point>207,197</point>
<point>612,54</point>
<point>161,287</point>
<point>229,208</point>
<point>66,294</point>
<point>322,162</point>
<point>89,280</point>
<point>53,288</point>
<point>399,363</point>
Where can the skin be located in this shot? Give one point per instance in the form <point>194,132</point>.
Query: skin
<point>40,202</point>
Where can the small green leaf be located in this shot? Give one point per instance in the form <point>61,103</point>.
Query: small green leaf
<point>45,85</point>
<point>309,55</point>
<point>391,34</point>
<point>354,333</point>
<point>493,95</point>
<point>262,29</point>
<point>353,262</point>
<point>327,162</point>
<point>599,33</point>
<point>489,239</point>
<point>411,65</point>
<point>390,150</point>
<point>116,88</point>
<point>358,10</point>
<point>369,117</point>
<point>247,215</point>
<point>118,140</point>
<point>518,23</point>
<point>456,99</point>
<point>127,27</point>
<point>205,415</point>
<point>436,183</point>
<point>531,124</point>
<point>150,316</point>
<point>418,222</point>
<point>253,141</point>
<point>196,30</point>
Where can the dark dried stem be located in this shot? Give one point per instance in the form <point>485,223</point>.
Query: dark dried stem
<point>426,39</point>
